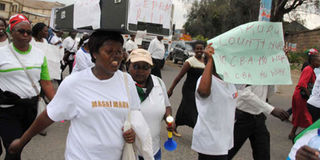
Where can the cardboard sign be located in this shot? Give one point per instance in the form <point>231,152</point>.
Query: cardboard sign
<point>252,54</point>
<point>155,11</point>
<point>86,13</point>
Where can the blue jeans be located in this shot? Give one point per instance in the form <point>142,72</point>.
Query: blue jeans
<point>157,156</point>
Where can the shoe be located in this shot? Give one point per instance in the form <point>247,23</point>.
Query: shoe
<point>175,133</point>
<point>43,133</point>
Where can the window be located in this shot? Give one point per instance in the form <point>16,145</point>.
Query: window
<point>2,6</point>
<point>14,8</point>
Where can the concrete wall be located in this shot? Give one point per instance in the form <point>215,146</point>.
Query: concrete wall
<point>35,19</point>
<point>305,40</point>
<point>11,8</point>
<point>5,13</point>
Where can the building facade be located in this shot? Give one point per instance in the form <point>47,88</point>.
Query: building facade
<point>36,11</point>
<point>304,40</point>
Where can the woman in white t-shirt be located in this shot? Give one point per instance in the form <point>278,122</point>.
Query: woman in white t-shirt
<point>82,57</point>
<point>40,32</point>
<point>3,34</point>
<point>19,92</point>
<point>96,101</point>
<point>53,53</point>
<point>216,104</point>
<point>155,105</point>
<point>313,103</point>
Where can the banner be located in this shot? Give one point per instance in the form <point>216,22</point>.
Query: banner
<point>265,10</point>
<point>252,54</point>
<point>185,37</point>
<point>86,13</point>
<point>155,11</point>
<point>54,55</point>
<point>292,47</point>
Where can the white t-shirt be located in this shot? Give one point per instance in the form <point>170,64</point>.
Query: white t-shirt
<point>97,110</point>
<point>4,43</point>
<point>55,39</point>
<point>315,94</point>
<point>304,140</point>
<point>33,41</point>
<point>82,61</point>
<point>130,45</point>
<point>317,71</point>
<point>156,49</point>
<point>252,99</point>
<point>213,132</point>
<point>54,55</point>
<point>12,76</point>
<point>153,109</point>
<point>70,44</point>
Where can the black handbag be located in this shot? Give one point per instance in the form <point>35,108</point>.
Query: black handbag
<point>304,94</point>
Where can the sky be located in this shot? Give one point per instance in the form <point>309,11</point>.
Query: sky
<point>312,21</point>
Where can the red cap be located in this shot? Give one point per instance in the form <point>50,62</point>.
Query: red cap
<point>313,51</point>
<point>16,19</point>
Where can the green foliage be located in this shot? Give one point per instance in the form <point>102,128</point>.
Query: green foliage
<point>297,57</point>
<point>211,18</point>
<point>201,38</point>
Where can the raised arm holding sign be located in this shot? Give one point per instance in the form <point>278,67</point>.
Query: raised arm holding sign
<point>252,54</point>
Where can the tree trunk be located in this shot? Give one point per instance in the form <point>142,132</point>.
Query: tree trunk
<point>277,10</point>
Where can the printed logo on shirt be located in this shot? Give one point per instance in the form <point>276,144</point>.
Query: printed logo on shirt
<point>109,104</point>
<point>235,95</point>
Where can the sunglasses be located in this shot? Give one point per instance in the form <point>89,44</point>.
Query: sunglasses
<point>143,67</point>
<point>23,31</point>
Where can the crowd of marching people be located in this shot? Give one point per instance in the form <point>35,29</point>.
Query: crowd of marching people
<point>113,82</point>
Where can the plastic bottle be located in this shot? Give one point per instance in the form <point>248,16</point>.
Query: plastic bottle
<point>314,142</point>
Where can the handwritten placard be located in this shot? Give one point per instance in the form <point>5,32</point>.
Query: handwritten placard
<point>54,55</point>
<point>150,11</point>
<point>252,54</point>
<point>86,13</point>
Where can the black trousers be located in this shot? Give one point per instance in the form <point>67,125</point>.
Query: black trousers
<point>252,127</point>
<point>0,147</point>
<point>156,69</point>
<point>212,157</point>
<point>314,111</point>
<point>14,121</point>
<point>69,63</point>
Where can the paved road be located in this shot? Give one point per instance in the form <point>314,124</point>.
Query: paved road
<point>52,146</point>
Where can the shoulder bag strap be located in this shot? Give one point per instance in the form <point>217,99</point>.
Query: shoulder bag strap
<point>125,76</point>
<point>25,70</point>
<point>74,43</point>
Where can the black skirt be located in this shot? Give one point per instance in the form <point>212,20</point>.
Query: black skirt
<point>187,113</point>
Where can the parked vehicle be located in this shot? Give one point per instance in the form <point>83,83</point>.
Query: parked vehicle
<point>180,51</point>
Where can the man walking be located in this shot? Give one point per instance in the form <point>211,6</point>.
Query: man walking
<point>250,120</point>
<point>157,50</point>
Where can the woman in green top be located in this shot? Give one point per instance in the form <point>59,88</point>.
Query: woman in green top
<point>23,72</point>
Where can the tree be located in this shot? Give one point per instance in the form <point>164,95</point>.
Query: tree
<point>282,7</point>
<point>210,18</point>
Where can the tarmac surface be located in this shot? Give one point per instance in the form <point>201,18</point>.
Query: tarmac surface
<point>52,146</point>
